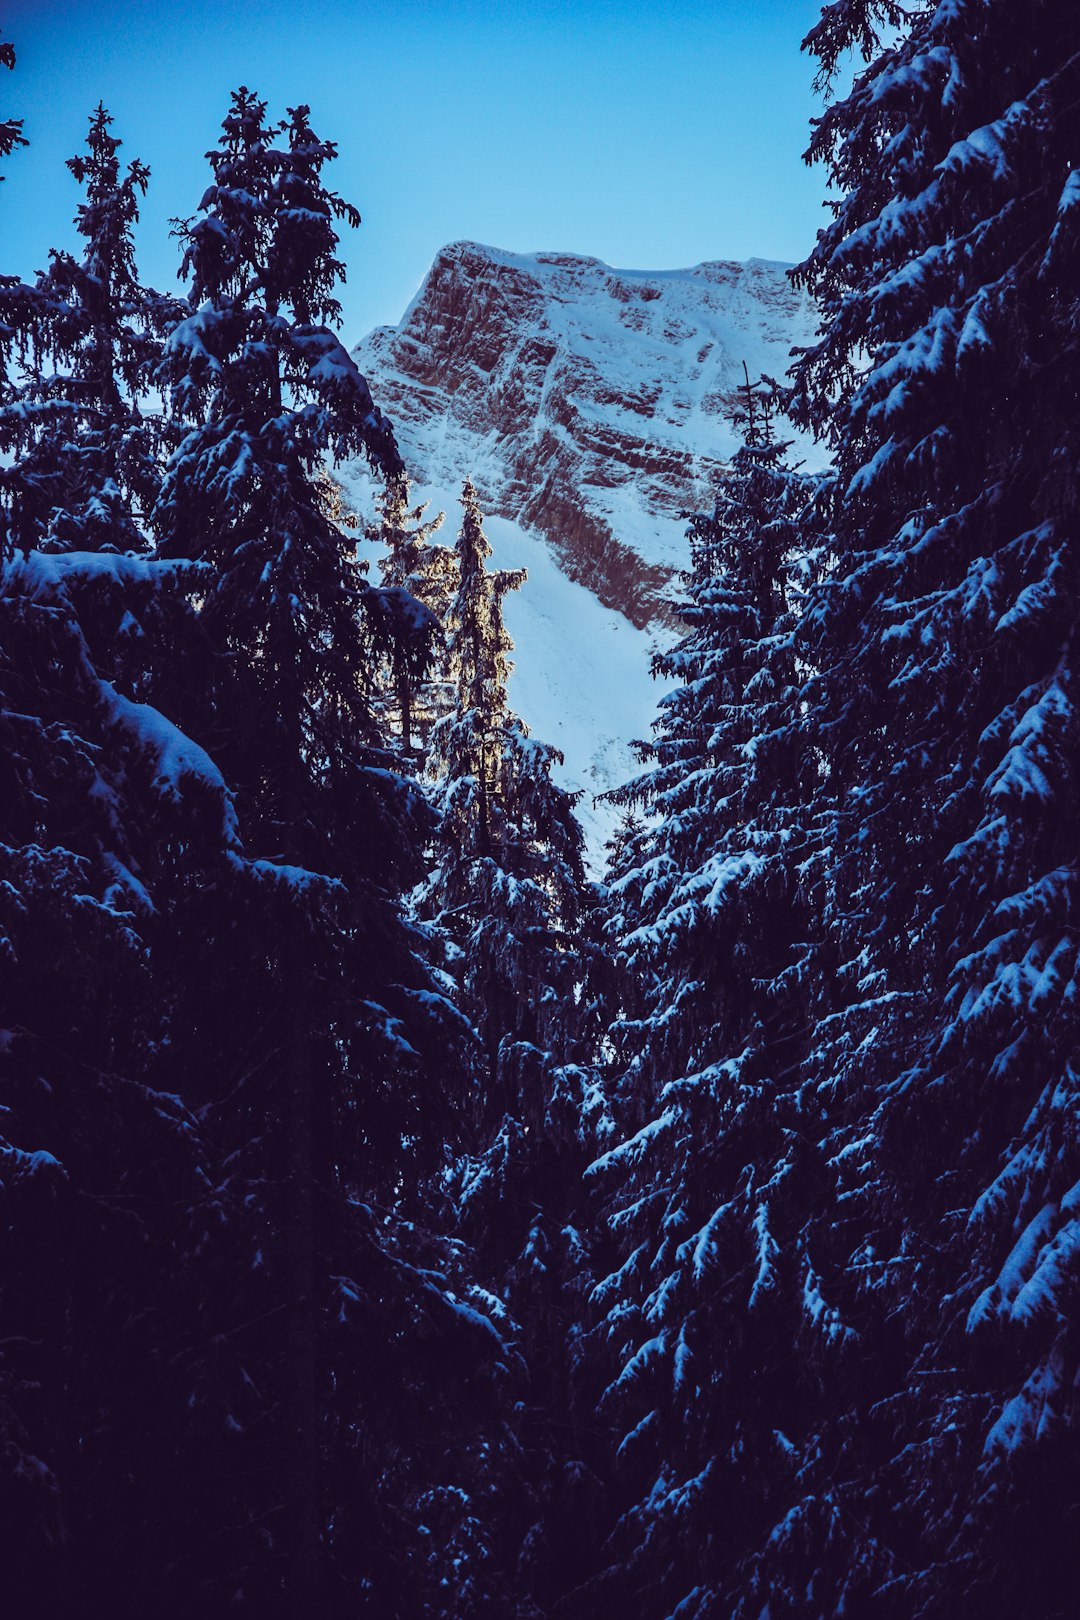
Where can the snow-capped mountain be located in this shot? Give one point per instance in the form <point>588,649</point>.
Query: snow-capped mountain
<point>591,407</point>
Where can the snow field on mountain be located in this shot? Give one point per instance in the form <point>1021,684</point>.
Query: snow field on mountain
<point>633,373</point>
<point>581,676</point>
<point>568,389</point>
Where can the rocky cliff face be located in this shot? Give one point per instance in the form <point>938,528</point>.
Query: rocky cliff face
<point>590,405</point>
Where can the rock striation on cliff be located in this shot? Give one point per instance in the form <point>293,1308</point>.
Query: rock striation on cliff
<point>590,405</point>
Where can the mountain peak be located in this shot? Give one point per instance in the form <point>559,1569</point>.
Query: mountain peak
<point>590,404</point>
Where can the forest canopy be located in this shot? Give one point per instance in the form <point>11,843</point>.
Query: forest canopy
<point>398,1221</point>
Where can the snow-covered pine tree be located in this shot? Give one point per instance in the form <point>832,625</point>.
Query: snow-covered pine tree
<point>945,634</point>
<point>428,572</point>
<point>310,1027</point>
<point>703,1327</point>
<point>509,890</point>
<point>413,572</point>
<point>84,448</point>
<point>508,877</point>
<point>103,1177</point>
<point>88,456</point>
<point>109,335</point>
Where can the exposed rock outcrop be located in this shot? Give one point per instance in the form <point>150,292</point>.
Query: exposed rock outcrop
<point>589,404</point>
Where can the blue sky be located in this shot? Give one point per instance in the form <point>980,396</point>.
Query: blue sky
<point>650,135</point>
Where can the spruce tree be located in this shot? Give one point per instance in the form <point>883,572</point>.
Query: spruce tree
<point>88,456</point>
<point>944,630</point>
<point>104,1176</point>
<point>322,1048</point>
<point>508,876</point>
<point>418,587</point>
<point>705,1320</point>
<point>508,890</point>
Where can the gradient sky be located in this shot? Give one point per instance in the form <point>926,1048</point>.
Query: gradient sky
<point>650,135</point>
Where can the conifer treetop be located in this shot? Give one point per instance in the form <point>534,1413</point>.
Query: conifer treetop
<point>477,612</point>
<point>11,134</point>
<point>104,315</point>
<point>849,25</point>
<point>111,208</point>
<point>263,265</point>
<point>268,232</point>
<point>403,529</point>
<point>88,336</point>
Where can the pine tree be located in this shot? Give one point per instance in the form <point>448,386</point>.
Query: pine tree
<point>508,876</point>
<point>944,630</point>
<point>322,1047</point>
<point>419,582</point>
<point>704,1325</point>
<point>84,450</point>
<point>509,891</point>
<point>88,456</point>
<point>104,1176</point>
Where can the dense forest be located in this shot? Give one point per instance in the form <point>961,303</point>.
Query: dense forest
<point>395,1221</point>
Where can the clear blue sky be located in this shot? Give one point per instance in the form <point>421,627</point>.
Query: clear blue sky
<point>650,135</point>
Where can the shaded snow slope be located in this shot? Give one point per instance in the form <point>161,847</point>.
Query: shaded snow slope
<point>581,678</point>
